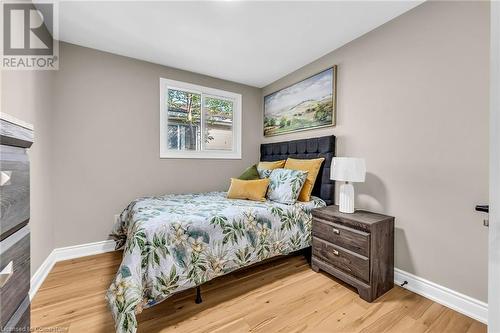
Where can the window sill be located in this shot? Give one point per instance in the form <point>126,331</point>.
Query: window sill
<point>201,155</point>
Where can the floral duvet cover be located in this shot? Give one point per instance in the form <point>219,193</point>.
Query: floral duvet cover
<point>175,242</point>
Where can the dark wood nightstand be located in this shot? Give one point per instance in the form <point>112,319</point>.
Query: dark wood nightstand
<point>356,248</point>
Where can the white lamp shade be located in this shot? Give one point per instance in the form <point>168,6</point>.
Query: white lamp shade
<point>348,169</point>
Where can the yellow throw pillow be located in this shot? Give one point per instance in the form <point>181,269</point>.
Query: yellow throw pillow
<point>248,189</point>
<point>312,167</point>
<point>271,165</point>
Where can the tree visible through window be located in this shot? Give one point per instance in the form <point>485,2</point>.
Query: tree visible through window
<point>199,120</point>
<point>184,120</point>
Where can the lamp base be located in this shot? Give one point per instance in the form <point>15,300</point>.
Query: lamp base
<point>346,202</point>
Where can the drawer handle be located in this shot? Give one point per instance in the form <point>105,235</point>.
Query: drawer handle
<point>335,252</point>
<point>336,231</point>
<point>5,177</point>
<point>6,273</point>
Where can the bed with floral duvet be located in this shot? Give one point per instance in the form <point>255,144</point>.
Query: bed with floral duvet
<point>175,242</point>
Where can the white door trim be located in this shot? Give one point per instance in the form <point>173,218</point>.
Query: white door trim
<point>494,215</point>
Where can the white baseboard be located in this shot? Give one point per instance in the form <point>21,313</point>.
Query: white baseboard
<point>83,250</point>
<point>66,253</point>
<point>454,300</point>
<point>41,274</point>
<point>464,304</point>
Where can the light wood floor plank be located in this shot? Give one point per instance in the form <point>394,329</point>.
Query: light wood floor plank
<point>281,296</point>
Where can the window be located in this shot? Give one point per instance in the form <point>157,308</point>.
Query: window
<point>199,122</point>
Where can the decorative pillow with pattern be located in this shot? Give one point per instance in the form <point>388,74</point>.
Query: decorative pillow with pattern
<point>285,185</point>
<point>264,173</point>
<point>264,168</point>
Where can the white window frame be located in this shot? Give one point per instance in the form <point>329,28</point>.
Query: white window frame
<point>235,153</point>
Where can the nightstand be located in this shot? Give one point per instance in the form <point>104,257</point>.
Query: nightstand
<point>356,248</point>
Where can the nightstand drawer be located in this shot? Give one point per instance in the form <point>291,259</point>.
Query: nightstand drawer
<point>348,238</point>
<point>344,259</point>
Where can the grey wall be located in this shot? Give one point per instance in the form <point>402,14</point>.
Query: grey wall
<point>413,100</point>
<point>28,96</point>
<point>106,141</point>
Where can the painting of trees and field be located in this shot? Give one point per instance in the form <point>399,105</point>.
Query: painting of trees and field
<point>305,105</point>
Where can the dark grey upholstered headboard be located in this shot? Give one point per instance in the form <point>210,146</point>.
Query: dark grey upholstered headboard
<point>307,149</point>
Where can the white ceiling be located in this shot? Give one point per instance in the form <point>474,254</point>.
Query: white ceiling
<point>254,43</point>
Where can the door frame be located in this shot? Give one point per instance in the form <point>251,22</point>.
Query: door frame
<point>494,211</point>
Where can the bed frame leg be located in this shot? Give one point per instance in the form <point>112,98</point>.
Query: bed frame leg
<point>198,299</point>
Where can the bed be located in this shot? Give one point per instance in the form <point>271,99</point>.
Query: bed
<point>175,242</point>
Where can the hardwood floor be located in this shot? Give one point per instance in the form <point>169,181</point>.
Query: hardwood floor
<point>282,296</point>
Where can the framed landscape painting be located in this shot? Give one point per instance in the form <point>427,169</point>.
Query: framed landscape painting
<point>305,105</point>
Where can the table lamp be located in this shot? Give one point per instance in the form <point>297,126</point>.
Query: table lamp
<point>347,169</point>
